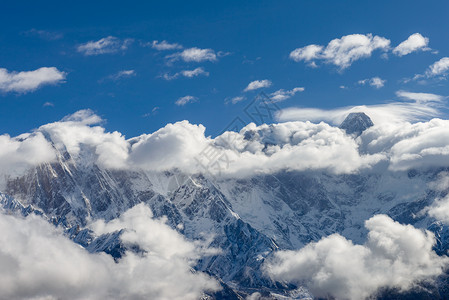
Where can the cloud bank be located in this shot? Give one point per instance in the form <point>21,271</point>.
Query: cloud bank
<point>393,142</point>
<point>57,268</point>
<point>394,256</point>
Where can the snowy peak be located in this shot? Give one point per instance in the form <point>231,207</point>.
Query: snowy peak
<point>356,123</point>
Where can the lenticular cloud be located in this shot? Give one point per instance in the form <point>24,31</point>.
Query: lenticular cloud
<point>38,262</point>
<point>394,256</point>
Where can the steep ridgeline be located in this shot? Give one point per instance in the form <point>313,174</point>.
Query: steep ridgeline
<point>247,218</point>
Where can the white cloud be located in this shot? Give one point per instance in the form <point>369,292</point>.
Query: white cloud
<point>164,45</point>
<point>162,272</point>
<point>442,182</point>
<point>438,68</point>
<point>415,42</point>
<point>235,100</point>
<point>420,97</point>
<point>281,95</point>
<point>342,52</point>
<point>376,82</point>
<point>307,53</point>
<point>185,100</point>
<point>194,73</point>
<point>27,81</point>
<point>105,45</point>
<point>257,84</point>
<point>186,73</point>
<point>394,256</point>
<point>194,55</point>
<point>20,153</point>
<point>122,74</point>
<point>440,209</point>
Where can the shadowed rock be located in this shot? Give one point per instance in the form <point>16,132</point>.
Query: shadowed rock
<point>356,123</point>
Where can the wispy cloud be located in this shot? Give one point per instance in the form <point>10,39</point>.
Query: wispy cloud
<point>282,94</point>
<point>415,42</point>
<point>164,45</point>
<point>341,52</point>
<point>45,35</point>
<point>185,100</point>
<point>234,100</point>
<point>105,45</point>
<point>375,82</point>
<point>420,97</point>
<point>123,74</point>
<point>27,81</point>
<point>258,84</point>
<point>186,73</point>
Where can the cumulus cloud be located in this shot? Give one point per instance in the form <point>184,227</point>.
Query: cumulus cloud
<point>394,256</point>
<point>439,68</point>
<point>27,81</point>
<point>187,73</point>
<point>281,95</point>
<point>162,271</point>
<point>194,55</point>
<point>105,45</point>
<point>341,52</point>
<point>307,53</point>
<point>376,82</point>
<point>164,45</point>
<point>415,42</point>
<point>185,100</point>
<point>258,84</point>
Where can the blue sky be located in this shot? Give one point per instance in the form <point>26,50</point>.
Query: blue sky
<point>217,50</point>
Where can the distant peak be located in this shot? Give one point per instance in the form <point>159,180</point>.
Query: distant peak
<point>356,123</point>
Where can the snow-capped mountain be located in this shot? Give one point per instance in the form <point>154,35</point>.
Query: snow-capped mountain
<point>248,218</point>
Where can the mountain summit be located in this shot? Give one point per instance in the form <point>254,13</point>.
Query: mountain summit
<point>356,123</point>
